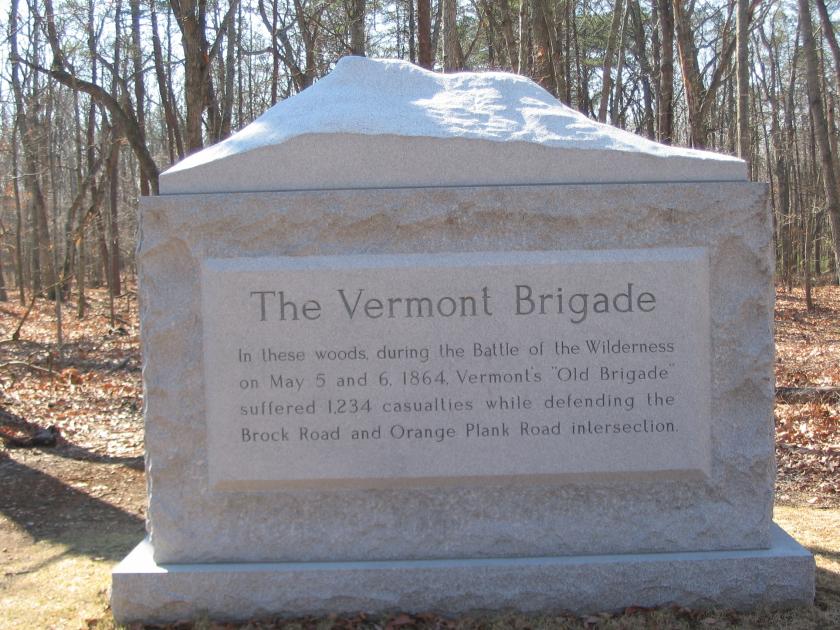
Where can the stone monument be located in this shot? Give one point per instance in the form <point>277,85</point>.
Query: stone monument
<point>427,342</point>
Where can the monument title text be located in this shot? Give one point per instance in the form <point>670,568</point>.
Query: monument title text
<point>359,303</point>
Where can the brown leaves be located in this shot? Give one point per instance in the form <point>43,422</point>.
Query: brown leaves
<point>808,434</point>
<point>93,395</point>
<point>72,376</point>
<point>808,344</point>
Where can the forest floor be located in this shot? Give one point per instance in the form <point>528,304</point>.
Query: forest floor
<point>69,512</point>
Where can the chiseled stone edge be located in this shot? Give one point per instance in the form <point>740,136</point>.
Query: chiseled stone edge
<point>779,577</point>
<point>731,510</point>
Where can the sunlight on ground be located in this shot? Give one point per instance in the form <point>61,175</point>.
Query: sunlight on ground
<point>817,529</point>
<point>43,585</point>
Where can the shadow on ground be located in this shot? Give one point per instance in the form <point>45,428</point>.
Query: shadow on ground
<point>12,423</point>
<point>48,509</point>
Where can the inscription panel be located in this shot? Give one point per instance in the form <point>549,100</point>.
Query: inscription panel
<point>375,370</point>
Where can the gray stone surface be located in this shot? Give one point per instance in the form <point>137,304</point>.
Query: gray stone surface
<point>344,160</point>
<point>376,123</point>
<point>729,509</point>
<point>777,577</point>
<point>272,424</point>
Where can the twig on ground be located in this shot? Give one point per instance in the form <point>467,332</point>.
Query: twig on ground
<point>30,366</point>
<point>16,334</point>
<point>794,395</point>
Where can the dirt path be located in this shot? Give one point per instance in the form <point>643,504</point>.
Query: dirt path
<point>64,523</point>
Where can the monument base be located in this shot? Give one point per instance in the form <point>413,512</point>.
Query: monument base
<point>778,577</point>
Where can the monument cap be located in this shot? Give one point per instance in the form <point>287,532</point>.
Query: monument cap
<point>376,123</point>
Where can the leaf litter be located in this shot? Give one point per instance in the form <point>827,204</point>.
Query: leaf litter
<point>808,434</point>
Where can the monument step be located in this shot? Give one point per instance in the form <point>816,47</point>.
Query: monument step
<point>778,577</point>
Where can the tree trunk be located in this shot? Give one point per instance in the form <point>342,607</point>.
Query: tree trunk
<point>436,26</point>
<point>507,34</point>
<point>412,32</point>
<point>606,77</point>
<point>198,57</point>
<point>828,33</point>
<point>569,17</point>
<point>832,195</point>
<point>275,52</point>
<point>700,99</point>
<point>543,59</point>
<point>230,78</point>
<point>18,221</point>
<point>523,37</point>
<point>791,149</point>
<point>299,74</point>
<point>453,56</point>
<point>121,113</point>
<point>3,295</point>
<point>114,260</point>
<point>778,157</point>
<point>57,283</point>
<point>807,221</point>
<point>557,62</point>
<point>81,299</point>
<point>357,27</point>
<point>176,144</point>
<point>113,223</point>
<point>743,79</point>
<point>584,104</point>
<point>28,126</point>
<point>139,86</point>
<point>616,105</point>
<point>191,16</point>
<point>665,108</point>
<point>424,34</point>
<point>640,52</point>
<point>692,80</point>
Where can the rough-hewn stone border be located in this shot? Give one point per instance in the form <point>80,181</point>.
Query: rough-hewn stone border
<point>729,510</point>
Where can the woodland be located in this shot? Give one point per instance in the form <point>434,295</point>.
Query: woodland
<point>97,98</point>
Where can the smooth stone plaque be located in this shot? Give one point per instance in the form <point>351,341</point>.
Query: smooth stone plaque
<point>375,370</point>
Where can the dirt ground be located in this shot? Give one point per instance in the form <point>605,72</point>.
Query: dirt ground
<point>69,512</point>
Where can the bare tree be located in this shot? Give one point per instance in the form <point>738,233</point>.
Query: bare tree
<point>832,195</point>
<point>543,60</point>
<point>606,74</point>
<point>665,128</point>
<point>699,98</point>
<point>453,56</point>
<point>357,27</point>
<point>743,70</point>
<point>199,53</point>
<point>424,34</point>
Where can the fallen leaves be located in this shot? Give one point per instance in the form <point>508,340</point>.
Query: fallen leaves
<point>808,434</point>
<point>92,394</point>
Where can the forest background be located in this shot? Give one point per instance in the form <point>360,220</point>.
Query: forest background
<point>98,98</point>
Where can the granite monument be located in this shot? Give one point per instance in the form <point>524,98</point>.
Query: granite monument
<point>437,342</point>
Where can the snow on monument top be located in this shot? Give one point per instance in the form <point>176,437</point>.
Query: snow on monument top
<point>385,123</point>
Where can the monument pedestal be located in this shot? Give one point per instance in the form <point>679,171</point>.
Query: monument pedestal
<point>778,577</point>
